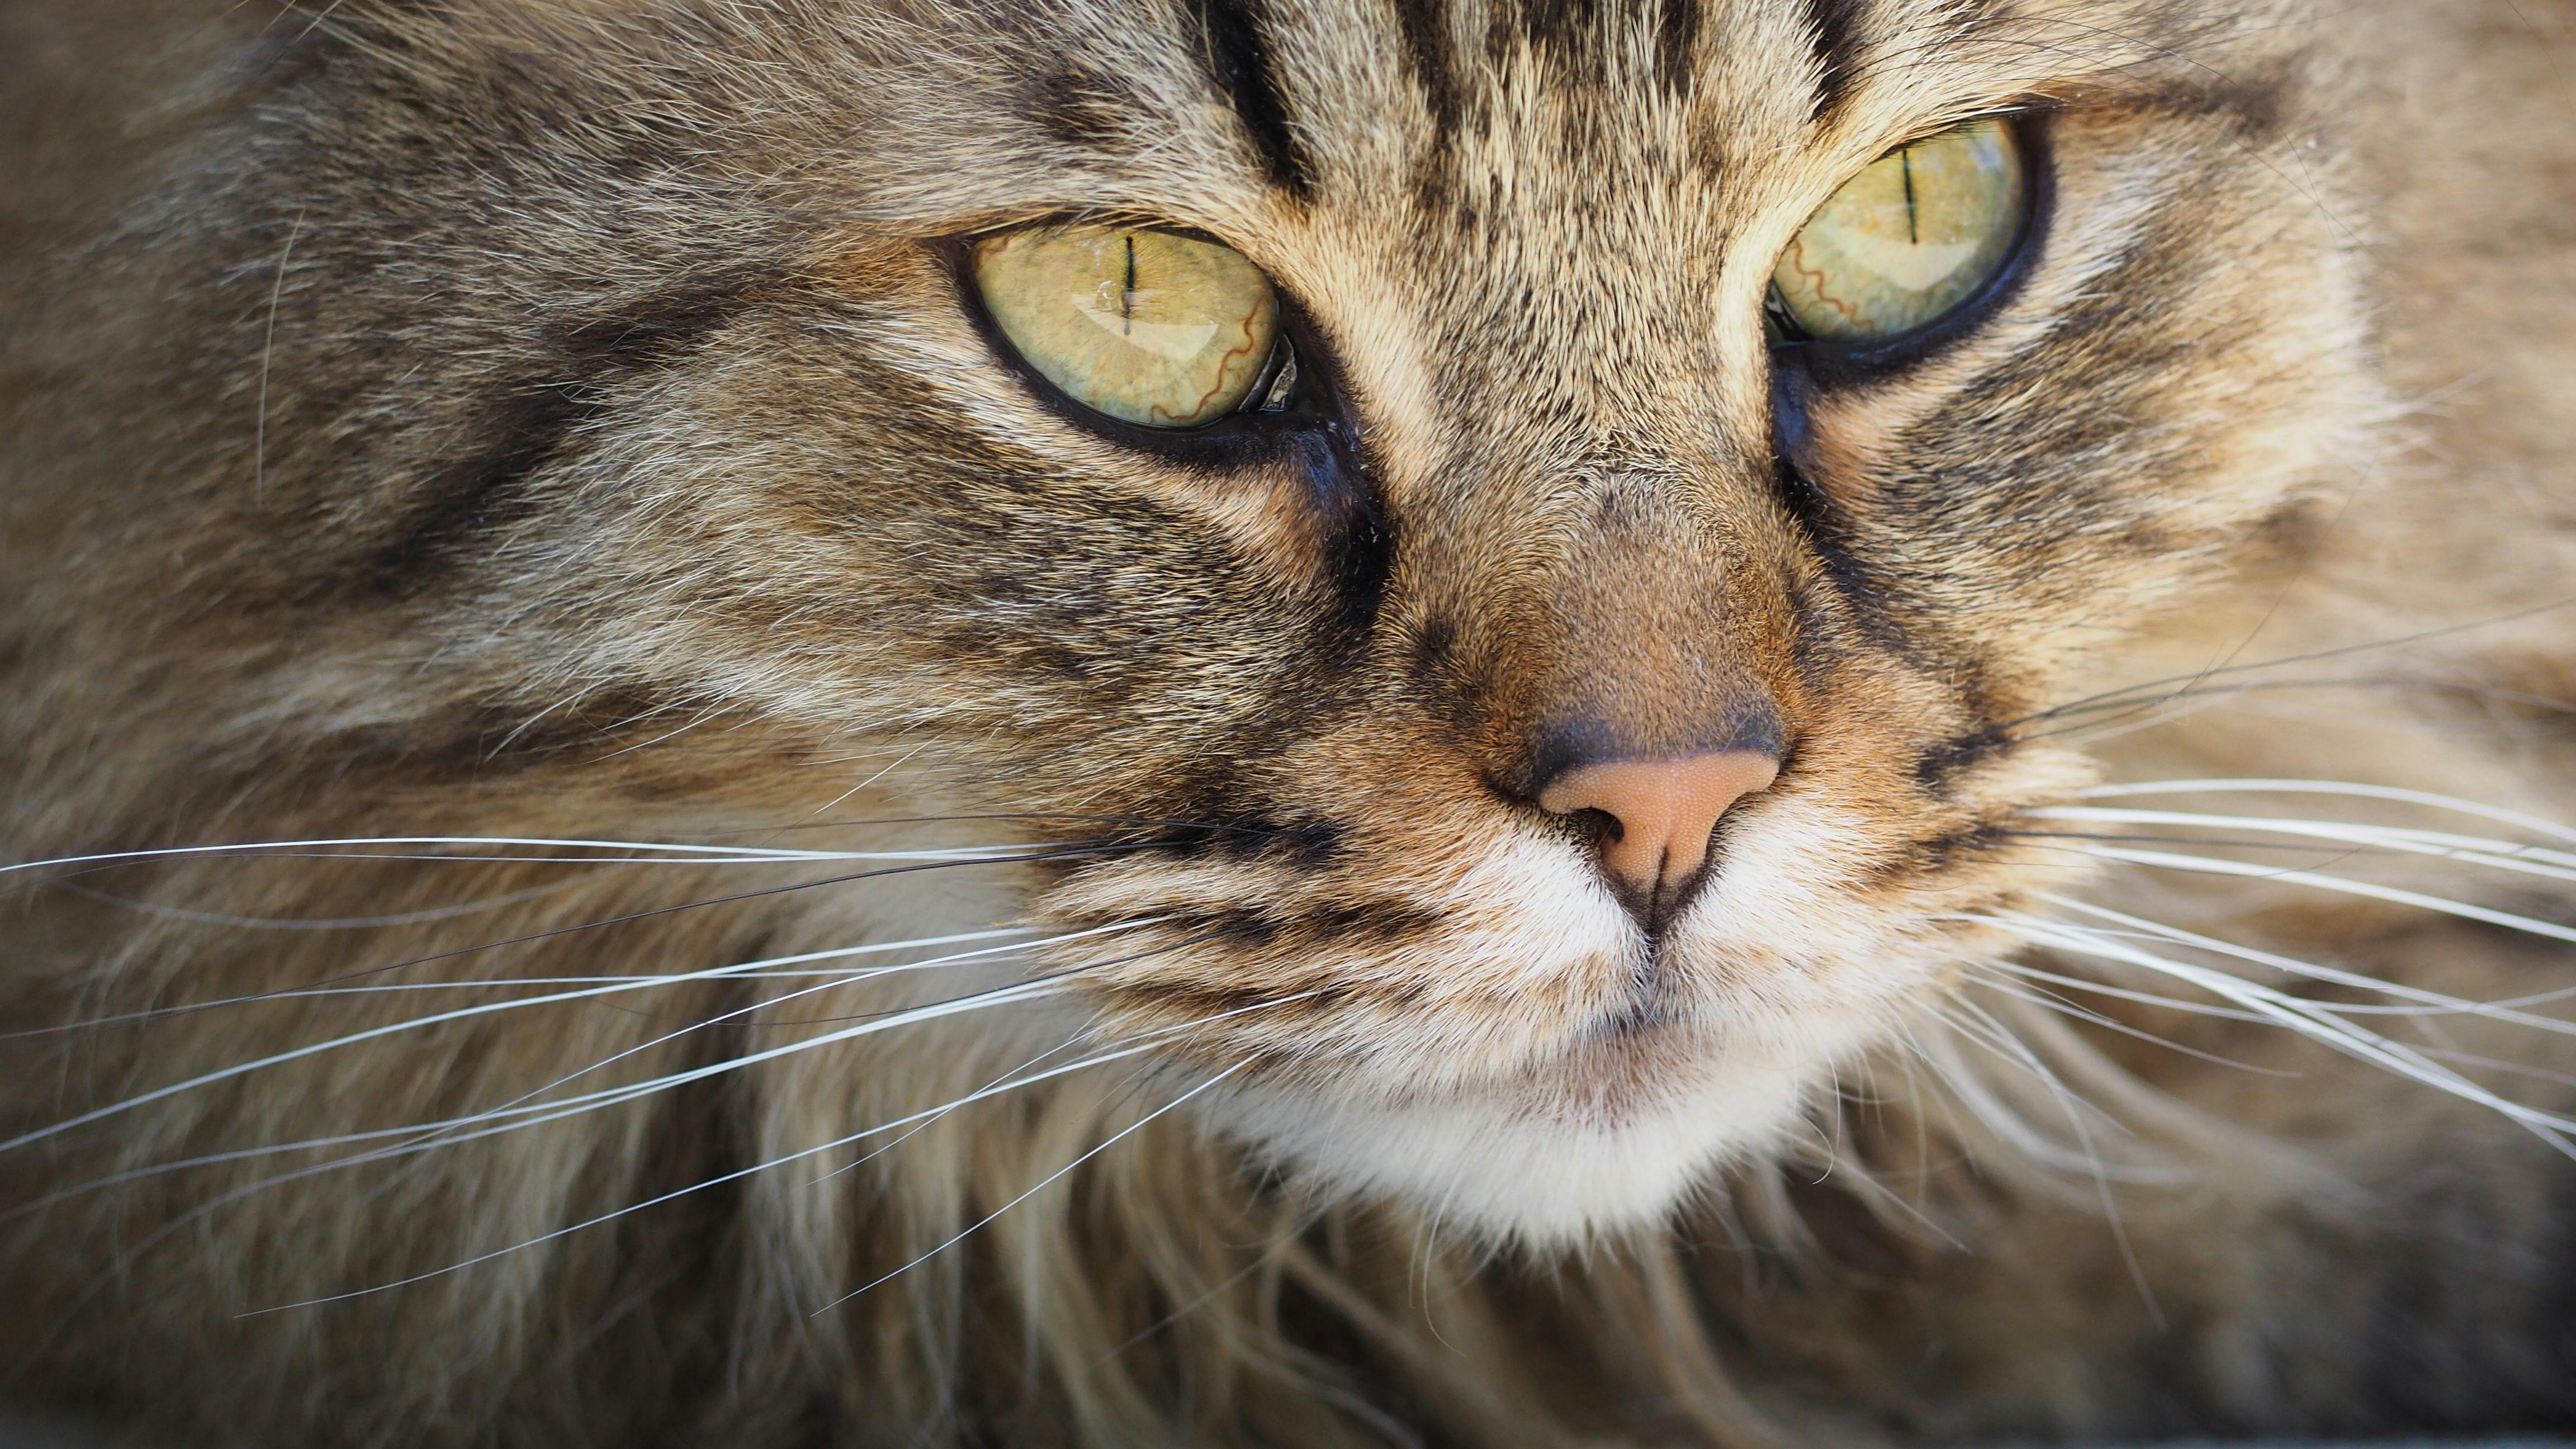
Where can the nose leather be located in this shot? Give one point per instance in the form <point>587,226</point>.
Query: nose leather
<point>1664,810</point>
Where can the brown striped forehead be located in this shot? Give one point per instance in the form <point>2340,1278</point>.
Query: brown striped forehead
<point>1337,91</point>
<point>1533,239</point>
<point>1550,193</point>
<point>1331,101</point>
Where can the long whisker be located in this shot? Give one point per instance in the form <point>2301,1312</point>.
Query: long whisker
<point>2009,1126</point>
<point>1998,1118</point>
<point>2189,701</point>
<point>429,1136</point>
<point>645,852</point>
<point>2075,1107</point>
<point>495,1121</point>
<point>558,931</point>
<point>2210,865</point>
<point>676,1193</point>
<point>479,983</point>
<point>2387,837</point>
<point>462,1013</point>
<point>1051,1179</point>
<point>203,1209</point>
<point>638,851</point>
<point>1260,1261</point>
<point>926,1124</point>
<point>334,923</point>
<point>2302,1016</point>
<point>2355,789</point>
<point>2053,1001</point>
<point>833,985</point>
<point>623,1094</point>
<point>2494,1064</point>
<point>1122,1053</point>
<point>2423,1002</point>
<point>2142,836</point>
<point>2124,697</point>
<point>748,971</point>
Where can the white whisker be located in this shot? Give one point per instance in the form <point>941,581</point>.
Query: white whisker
<point>330,923</point>
<point>2211,865</point>
<point>1051,1179</point>
<point>1991,1111</point>
<point>744,970</point>
<point>495,983</point>
<point>2501,854</point>
<point>641,852</point>
<point>2533,823</point>
<point>2122,993</point>
<point>2496,1064</point>
<point>2075,1107</point>
<point>2427,1003</point>
<point>2051,1001</point>
<point>495,1121</point>
<point>483,1009</point>
<point>530,1114</point>
<point>2307,1018</point>
<point>675,1193</point>
<point>988,954</point>
<point>1135,1047</point>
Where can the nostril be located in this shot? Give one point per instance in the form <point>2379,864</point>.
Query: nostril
<point>1660,812</point>
<point>1601,824</point>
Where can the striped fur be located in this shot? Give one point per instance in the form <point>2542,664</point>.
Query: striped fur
<point>565,421</point>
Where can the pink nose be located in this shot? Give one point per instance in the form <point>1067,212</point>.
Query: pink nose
<point>1662,811</point>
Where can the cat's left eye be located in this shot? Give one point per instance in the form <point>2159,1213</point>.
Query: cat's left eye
<point>1907,241</point>
<point>1146,326</point>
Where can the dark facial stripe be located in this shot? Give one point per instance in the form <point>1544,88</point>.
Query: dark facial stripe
<point>1833,31</point>
<point>1863,593</point>
<point>1940,765</point>
<point>521,428</point>
<point>526,420</point>
<point>1567,26</point>
<point>1676,44</point>
<point>1239,62</point>
<point>1077,107</point>
<point>1424,25</point>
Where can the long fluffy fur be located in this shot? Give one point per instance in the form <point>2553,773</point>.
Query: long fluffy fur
<point>544,423</point>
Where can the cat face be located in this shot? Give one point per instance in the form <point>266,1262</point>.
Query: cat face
<point>1540,494</point>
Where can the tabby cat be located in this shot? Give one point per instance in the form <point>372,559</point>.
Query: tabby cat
<point>1231,722</point>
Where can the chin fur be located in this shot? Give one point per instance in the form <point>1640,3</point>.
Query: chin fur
<point>1619,1138</point>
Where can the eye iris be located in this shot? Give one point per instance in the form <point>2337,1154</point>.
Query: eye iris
<point>1908,239</point>
<point>1151,328</point>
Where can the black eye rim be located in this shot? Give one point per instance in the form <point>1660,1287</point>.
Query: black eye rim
<point>1861,362</point>
<point>1313,407</point>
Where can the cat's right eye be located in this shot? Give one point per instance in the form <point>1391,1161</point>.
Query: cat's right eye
<point>1148,327</point>
<point>1907,241</point>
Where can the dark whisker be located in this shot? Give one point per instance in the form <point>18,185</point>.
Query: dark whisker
<point>2122,697</point>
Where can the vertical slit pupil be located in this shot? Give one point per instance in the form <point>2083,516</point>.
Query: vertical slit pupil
<point>1904,161</point>
<point>1127,295</point>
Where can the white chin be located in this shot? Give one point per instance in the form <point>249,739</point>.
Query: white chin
<point>1541,1178</point>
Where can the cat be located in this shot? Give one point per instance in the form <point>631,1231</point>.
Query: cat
<point>1221,722</point>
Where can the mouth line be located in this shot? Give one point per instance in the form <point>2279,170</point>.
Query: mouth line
<point>1644,1010</point>
<point>1633,1022</point>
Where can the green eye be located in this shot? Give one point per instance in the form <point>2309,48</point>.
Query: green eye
<point>1908,239</point>
<point>1149,327</point>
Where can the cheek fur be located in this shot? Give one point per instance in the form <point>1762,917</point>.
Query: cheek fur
<point>552,434</point>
